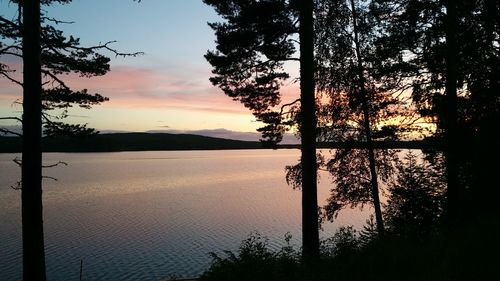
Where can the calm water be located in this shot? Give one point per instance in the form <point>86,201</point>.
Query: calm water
<point>151,215</point>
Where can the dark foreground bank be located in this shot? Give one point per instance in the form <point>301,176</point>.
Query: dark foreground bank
<point>360,256</point>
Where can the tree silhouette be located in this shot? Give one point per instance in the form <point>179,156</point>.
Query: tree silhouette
<point>60,55</point>
<point>442,58</point>
<point>361,103</point>
<point>415,202</point>
<point>252,46</point>
<point>450,112</point>
<point>451,55</point>
<point>253,43</point>
<point>31,198</point>
<point>310,234</point>
<point>46,54</point>
<point>477,110</point>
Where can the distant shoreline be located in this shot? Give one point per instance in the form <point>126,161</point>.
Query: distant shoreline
<point>126,142</point>
<point>120,142</point>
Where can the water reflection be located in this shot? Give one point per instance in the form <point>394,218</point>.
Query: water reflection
<point>147,215</point>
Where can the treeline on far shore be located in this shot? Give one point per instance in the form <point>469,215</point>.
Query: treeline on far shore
<point>163,141</point>
<point>129,142</point>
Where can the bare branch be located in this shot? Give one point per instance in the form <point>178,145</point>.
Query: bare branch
<point>50,178</point>
<point>11,118</point>
<point>10,78</point>
<point>56,21</point>
<point>7,131</point>
<point>8,22</point>
<point>46,117</point>
<point>105,46</point>
<point>401,91</point>
<point>7,48</point>
<point>18,161</point>
<point>288,104</point>
<point>18,101</point>
<point>17,186</point>
<point>55,78</point>
<point>12,54</point>
<point>55,165</point>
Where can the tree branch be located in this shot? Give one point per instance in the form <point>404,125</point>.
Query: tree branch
<point>12,118</point>
<point>55,78</point>
<point>106,47</point>
<point>8,22</point>
<point>56,21</point>
<point>50,178</point>
<point>12,54</point>
<point>18,161</point>
<point>288,104</point>
<point>55,165</point>
<point>6,49</point>
<point>6,131</point>
<point>17,186</point>
<point>10,78</point>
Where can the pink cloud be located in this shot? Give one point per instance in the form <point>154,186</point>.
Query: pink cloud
<point>133,87</point>
<point>136,87</point>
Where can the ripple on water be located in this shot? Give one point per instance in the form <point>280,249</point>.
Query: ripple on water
<point>153,218</point>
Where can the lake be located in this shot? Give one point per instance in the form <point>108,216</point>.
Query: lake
<point>154,215</point>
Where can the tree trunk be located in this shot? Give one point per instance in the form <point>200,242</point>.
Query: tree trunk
<point>32,215</point>
<point>367,128</point>
<point>310,230</point>
<point>450,121</point>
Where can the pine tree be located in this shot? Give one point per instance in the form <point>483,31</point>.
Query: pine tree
<point>46,54</point>
<point>253,42</point>
<point>60,55</point>
<point>31,196</point>
<point>451,57</point>
<point>360,103</point>
<point>415,203</point>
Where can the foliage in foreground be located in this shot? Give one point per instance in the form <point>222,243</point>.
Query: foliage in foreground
<point>416,246</point>
<point>348,256</point>
<point>255,261</point>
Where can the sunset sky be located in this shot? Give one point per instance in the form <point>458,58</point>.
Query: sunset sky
<point>165,89</point>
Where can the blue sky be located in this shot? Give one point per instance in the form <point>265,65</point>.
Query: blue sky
<point>168,31</point>
<point>168,87</point>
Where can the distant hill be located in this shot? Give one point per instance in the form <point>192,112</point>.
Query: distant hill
<point>130,142</point>
<point>112,142</point>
